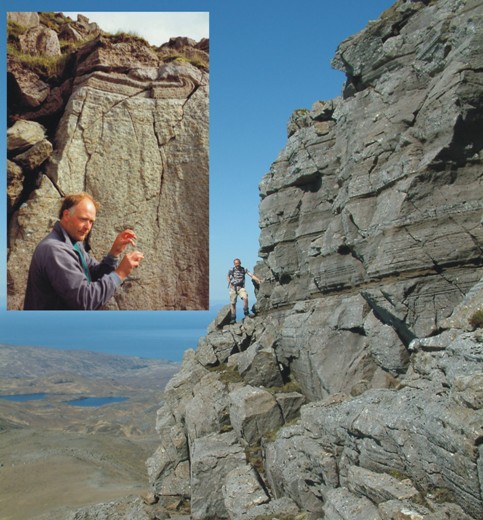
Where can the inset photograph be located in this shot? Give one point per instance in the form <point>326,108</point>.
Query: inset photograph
<point>107,163</point>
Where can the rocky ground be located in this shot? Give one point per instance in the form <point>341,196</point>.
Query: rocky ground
<point>56,458</point>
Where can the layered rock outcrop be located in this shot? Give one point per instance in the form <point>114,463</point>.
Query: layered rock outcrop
<point>127,123</point>
<point>355,392</point>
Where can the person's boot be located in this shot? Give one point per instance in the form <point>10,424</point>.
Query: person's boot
<point>245,311</point>
<point>233,319</point>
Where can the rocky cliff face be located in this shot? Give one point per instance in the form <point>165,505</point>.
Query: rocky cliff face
<point>356,392</point>
<point>129,124</point>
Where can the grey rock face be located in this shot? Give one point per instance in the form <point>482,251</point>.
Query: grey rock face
<point>359,209</point>
<point>213,458</point>
<point>134,134</point>
<point>397,430</point>
<point>259,366</point>
<point>242,491</point>
<point>212,422</point>
<point>356,391</point>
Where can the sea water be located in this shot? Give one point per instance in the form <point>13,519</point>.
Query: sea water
<point>164,335</point>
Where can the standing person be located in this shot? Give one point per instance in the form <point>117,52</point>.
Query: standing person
<point>236,283</point>
<point>62,276</point>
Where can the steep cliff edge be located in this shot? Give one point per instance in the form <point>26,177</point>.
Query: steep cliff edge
<point>125,121</point>
<point>356,392</point>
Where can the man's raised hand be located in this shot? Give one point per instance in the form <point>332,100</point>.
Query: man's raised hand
<point>129,262</point>
<point>122,240</point>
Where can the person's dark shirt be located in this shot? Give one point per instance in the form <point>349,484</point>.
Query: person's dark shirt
<point>237,276</point>
<point>57,280</point>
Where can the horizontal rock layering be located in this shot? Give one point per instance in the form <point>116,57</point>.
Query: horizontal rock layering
<point>356,391</point>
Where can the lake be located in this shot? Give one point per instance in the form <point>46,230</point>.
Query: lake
<point>95,401</point>
<point>78,401</point>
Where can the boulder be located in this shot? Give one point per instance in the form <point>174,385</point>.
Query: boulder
<point>168,467</point>
<point>223,344</point>
<point>25,19</point>
<point>35,156</point>
<point>68,33</point>
<point>40,41</point>
<point>276,508</point>
<point>341,504</point>
<point>259,366</point>
<point>179,42</point>
<point>290,404</point>
<point>254,412</point>
<point>460,318</point>
<point>86,26</point>
<point>23,135</point>
<point>379,487</point>
<point>299,468</point>
<point>212,458</point>
<point>205,353</point>
<point>222,318</point>
<point>400,510</point>
<point>15,178</point>
<point>30,90</point>
<point>207,411</point>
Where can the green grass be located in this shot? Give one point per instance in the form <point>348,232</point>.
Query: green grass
<point>196,57</point>
<point>227,374</point>
<point>45,66</point>
<point>291,386</point>
<point>398,474</point>
<point>254,455</point>
<point>48,66</point>
<point>122,37</point>
<point>13,33</point>
<point>476,321</point>
<point>53,21</point>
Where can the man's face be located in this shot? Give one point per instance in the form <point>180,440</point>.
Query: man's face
<point>78,220</point>
<point>237,263</point>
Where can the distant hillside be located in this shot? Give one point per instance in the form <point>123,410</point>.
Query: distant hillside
<point>35,362</point>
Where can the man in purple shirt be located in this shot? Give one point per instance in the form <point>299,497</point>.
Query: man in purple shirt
<point>63,276</point>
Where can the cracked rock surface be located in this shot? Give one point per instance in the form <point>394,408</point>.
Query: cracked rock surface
<point>355,392</point>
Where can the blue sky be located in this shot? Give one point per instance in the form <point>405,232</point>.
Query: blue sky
<point>267,59</point>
